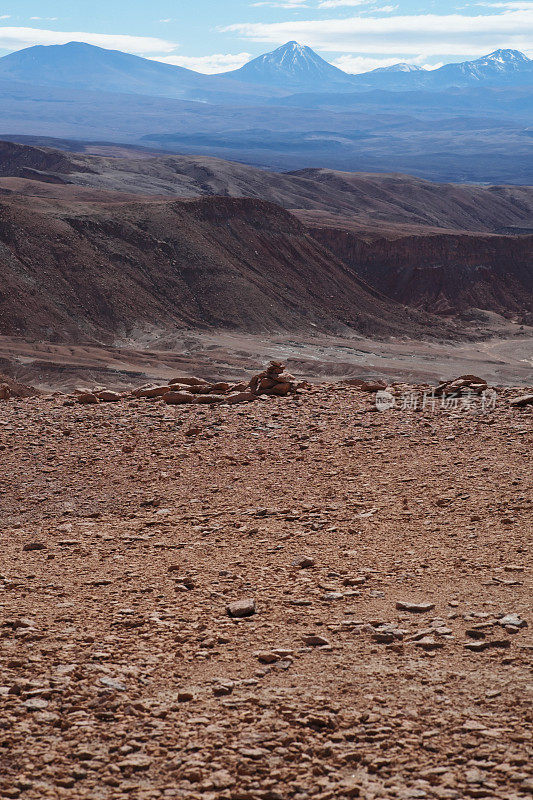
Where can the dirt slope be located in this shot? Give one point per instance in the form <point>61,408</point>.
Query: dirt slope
<point>366,199</point>
<point>74,271</point>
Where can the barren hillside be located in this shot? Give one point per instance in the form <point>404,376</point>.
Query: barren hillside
<point>71,271</point>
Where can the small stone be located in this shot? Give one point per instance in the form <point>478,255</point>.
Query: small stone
<point>223,688</point>
<point>303,562</point>
<point>428,643</point>
<point>111,683</point>
<point>185,696</point>
<point>383,637</point>
<point>313,640</point>
<point>414,608</point>
<point>33,546</point>
<point>330,596</point>
<point>35,704</point>
<point>137,762</point>
<point>512,619</point>
<point>221,779</point>
<point>241,608</point>
<point>267,657</point>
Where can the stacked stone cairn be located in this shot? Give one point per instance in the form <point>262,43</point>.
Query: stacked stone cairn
<point>182,390</point>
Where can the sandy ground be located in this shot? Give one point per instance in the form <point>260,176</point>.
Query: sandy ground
<point>505,359</point>
<point>129,528</point>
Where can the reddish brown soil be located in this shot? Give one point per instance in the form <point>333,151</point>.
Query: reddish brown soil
<point>441,248</point>
<point>80,271</point>
<point>360,198</point>
<point>122,675</point>
<point>445,273</point>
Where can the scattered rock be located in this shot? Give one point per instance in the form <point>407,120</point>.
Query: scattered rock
<point>313,640</point>
<point>521,402</point>
<point>241,608</point>
<point>303,562</point>
<point>34,546</point>
<point>87,398</point>
<point>414,608</point>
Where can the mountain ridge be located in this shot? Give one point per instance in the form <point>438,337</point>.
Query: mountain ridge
<point>290,68</point>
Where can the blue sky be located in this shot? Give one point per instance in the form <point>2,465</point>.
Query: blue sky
<point>217,35</point>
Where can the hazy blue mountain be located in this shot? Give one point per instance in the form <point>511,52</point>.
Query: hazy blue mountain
<point>287,70</point>
<point>294,68</point>
<point>500,67</point>
<point>401,67</point>
<point>84,66</point>
<point>480,131</point>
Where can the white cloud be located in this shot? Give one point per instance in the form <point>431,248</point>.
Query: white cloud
<point>281,3</point>
<point>516,5</point>
<point>5,16</point>
<point>18,38</point>
<point>424,35</point>
<point>343,3</point>
<point>219,62</point>
<point>357,64</point>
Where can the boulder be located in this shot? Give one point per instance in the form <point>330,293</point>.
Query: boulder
<point>87,398</point>
<point>5,391</point>
<point>151,391</point>
<point>107,396</point>
<point>239,397</point>
<point>220,387</point>
<point>200,388</point>
<point>188,381</point>
<point>178,398</point>
<point>209,399</point>
<point>521,402</point>
<point>465,382</point>
<point>366,386</point>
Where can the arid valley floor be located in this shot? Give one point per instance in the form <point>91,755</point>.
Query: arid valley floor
<point>389,655</point>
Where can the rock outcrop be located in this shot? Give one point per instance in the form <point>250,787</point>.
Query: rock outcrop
<point>446,274</point>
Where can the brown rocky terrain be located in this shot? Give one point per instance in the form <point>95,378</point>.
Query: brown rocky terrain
<point>443,273</point>
<point>73,271</point>
<point>296,598</point>
<point>365,199</point>
<point>404,236</point>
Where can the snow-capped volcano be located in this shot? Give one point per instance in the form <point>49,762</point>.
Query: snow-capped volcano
<point>501,66</point>
<point>402,67</point>
<point>294,67</point>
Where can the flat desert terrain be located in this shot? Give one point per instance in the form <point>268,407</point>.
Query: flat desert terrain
<point>383,559</point>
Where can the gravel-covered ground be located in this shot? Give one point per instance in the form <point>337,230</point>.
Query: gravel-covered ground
<point>383,552</point>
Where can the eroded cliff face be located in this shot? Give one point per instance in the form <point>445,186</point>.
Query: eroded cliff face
<point>445,273</point>
<point>78,271</point>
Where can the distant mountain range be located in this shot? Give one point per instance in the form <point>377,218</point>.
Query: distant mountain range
<point>286,110</point>
<point>291,68</point>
